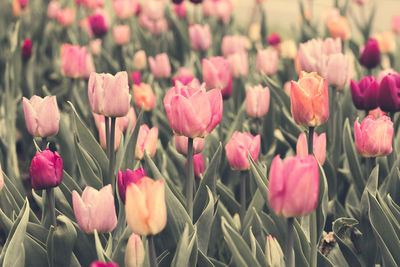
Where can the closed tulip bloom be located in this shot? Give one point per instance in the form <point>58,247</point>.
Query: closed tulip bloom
<point>52,9</point>
<point>192,111</point>
<point>309,100</point>
<point>200,37</point>
<point>26,49</point>
<point>319,145</point>
<point>73,61</point>
<point>337,70</point>
<point>288,49</point>
<point>154,9</point>
<point>273,253</point>
<point>98,24</point>
<point>136,77</point>
<point>95,46</point>
<point>146,212</point>
<point>95,210</point>
<point>92,4</point>
<point>238,65</point>
<point>139,60</point>
<point>257,101</point>
<point>153,26</point>
<point>370,55</point>
<point>121,34</point>
<point>42,116</point>
<point>181,144</point>
<point>267,61</point>
<point>134,255</point>
<point>373,138</point>
<point>125,8</point>
<point>103,264</point>
<point>237,147</point>
<point>293,185</point>
<point>66,16</point>
<point>160,66</point>
<point>146,141</point>
<point>46,170</point>
<point>232,44</point>
<point>365,93</point>
<point>180,10</point>
<point>274,39</point>
<point>389,93</point>
<point>396,24</point>
<point>386,41</point>
<point>108,94</point>
<point>125,178</point>
<point>144,96</point>
<point>339,28</point>
<point>198,165</point>
<point>185,80</point>
<point>216,73</point>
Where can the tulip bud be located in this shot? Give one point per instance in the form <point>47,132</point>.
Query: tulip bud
<point>139,60</point>
<point>216,74</point>
<point>144,96</point>
<point>73,61</point>
<point>267,61</point>
<point>64,236</point>
<point>66,16</point>
<point>319,146</point>
<point>365,93</point>
<point>237,147</point>
<point>124,179</point>
<point>95,210</point>
<point>339,28</point>
<point>181,144</point>
<point>198,165</point>
<point>98,24</point>
<point>134,255</point>
<point>26,49</point>
<point>46,170</point>
<point>373,138</point>
<point>160,66</point>
<point>337,70</point>
<point>180,10</point>
<point>273,253</point>
<point>370,55</point>
<point>309,100</point>
<point>52,9</point>
<point>257,101</point>
<point>136,77</point>
<point>288,49</point>
<point>108,94</point>
<point>145,208</point>
<point>274,39</point>
<point>389,93</point>
<point>200,36</point>
<point>121,34</point>
<point>293,185</point>
<point>396,24</point>
<point>42,116</point>
<point>147,140</point>
<point>103,264</point>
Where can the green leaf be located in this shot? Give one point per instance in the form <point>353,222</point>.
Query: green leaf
<point>205,222</point>
<point>184,249</point>
<point>322,208</point>
<point>99,247</point>
<point>259,177</point>
<point>227,197</point>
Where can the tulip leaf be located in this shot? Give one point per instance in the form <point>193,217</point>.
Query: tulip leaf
<point>227,197</point>
<point>184,249</point>
<point>118,254</point>
<point>259,177</point>
<point>50,247</point>
<point>236,125</point>
<point>256,249</point>
<point>322,207</point>
<point>257,203</point>
<point>205,222</point>
<point>99,247</point>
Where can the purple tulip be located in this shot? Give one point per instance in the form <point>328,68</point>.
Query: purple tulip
<point>389,93</point>
<point>370,55</point>
<point>46,170</point>
<point>365,93</point>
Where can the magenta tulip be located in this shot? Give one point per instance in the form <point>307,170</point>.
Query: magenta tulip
<point>46,170</point>
<point>365,93</point>
<point>237,147</point>
<point>370,55</point>
<point>389,93</point>
<point>125,178</point>
<point>26,49</point>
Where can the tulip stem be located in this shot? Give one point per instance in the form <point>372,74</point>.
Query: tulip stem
<point>44,143</point>
<point>243,175</point>
<point>313,217</point>
<point>311,140</point>
<point>190,179</point>
<point>121,57</point>
<point>50,198</point>
<point>332,115</point>
<point>152,252</point>
<point>112,154</point>
<point>289,243</point>
<point>107,129</point>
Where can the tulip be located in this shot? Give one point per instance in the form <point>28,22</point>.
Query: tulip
<point>66,16</point>
<point>134,255</point>
<point>376,113</point>
<point>180,10</point>
<point>95,210</point>
<point>200,37</point>
<point>73,60</point>
<point>221,9</point>
<point>139,60</point>
<point>154,9</point>
<point>121,34</point>
<point>124,179</point>
<point>145,208</point>
<point>192,111</point>
<point>181,144</point>
<point>52,9</point>
<point>288,49</point>
<point>160,66</point>
<point>46,170</point>
<point>85,26</point>
<point>102,136</point>
<point>136,77</point>
<point>26,49</point>
<point>373,138</point>
<point>360,2</point>
<point>232,44</point>
<point>125,8</point>
<point>319,146</point>
<point>255,32</point>
<point>257,101</point>
<point>267,61</point>
<point>146,141</point>
<point>103,264</point>
<point>274,39</point>
<point>383,73</point>
<point>185,80</point>
<point>237,147</point>
<point>386,42</point>
<point>293,185</point>
<point>95,47</point>
<point>238,65</point>
<point>339,28</point>
<point>216,74</point>
<point>198,165</point>
<point>153,26</point>
<point>309,100</point>
<point>337,71</point>
<point>396,24</point>
<point>42,116</point>
<point>98,23</point>
<point>273,253</point>
<point>370,55</point>
<point>389,93</point>
<point>365,93</point>
<point>144,96</point>
<point>92,4</point>
<point>108,94</point>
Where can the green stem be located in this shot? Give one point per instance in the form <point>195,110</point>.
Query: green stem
<point>44,143</point>
<point>243,175</point>
<point>107,129</point>
<point>112,154</point>
<point>50,198</point>
<point>152,252</point>
<point>121,57</point>
<point>289,243</point>
<point>190,179</point>
<point>313,216</point>
<point>311,140</point>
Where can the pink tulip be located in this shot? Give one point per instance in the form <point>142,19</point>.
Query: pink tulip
<point>145,208</point>
<point>95,46</point>
<point>232,44</point>
<point>337,70</point>
<point>92,4</point>
<point>42,116</point>
<point>144,96</point>
<point>124,179</point>
<point>154,9</point>
<point>385,72</point>
<point>108,94</point>
<point>339,27</point>
<point>238,65</point>
<point>146,141</point>
<point>66,16</point>
<point>139,60</point>
<point>374,137</point>
<point>220,9</point>
<point>293,185</point>
<point>319,145</point>
<point>181,144</point>
<point>216,74</point>
<point>200,36</point>
<point>160,66</point>
<point>134,255</point>
<point>121,34</point>
<point>95,210</point>
<point>257,101</point>
<point>153,26</point>
<point>237,148</point>
<point>396,24</point>
<point>46,170</point>
<point>52,9</point>
<point>267,61</point>
<point>192,111</point>
<point>125,8</point>
<point>180,10</point>
<point>288,49</point>
<point>73,61</point>
<point>198,165</point>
